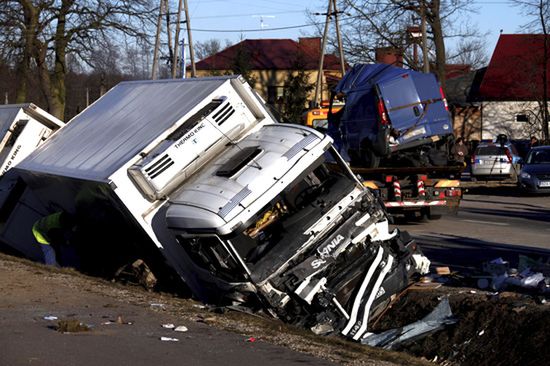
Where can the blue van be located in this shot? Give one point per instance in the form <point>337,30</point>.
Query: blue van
<point>391,112</point>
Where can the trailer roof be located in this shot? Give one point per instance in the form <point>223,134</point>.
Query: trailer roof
<point>111,131</point>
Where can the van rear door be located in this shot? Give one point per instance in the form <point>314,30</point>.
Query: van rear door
<point>415,105</point>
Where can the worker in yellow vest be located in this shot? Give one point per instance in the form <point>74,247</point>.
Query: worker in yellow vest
<point>52,232</point>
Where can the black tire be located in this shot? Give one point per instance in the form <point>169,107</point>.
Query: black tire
<point>431,216</point>
<point>369,158</point>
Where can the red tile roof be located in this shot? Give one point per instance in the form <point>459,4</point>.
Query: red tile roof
<point>456,70</point>
<point>270,54</point>
<point>515,70</point>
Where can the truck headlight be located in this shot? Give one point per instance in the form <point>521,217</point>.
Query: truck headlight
<point>525,175</point>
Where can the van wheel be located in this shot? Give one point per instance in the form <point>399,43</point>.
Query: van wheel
<point>370,160</point>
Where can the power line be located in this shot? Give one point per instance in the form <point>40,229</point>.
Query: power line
<point>264,29</point>
<point>245,15</point>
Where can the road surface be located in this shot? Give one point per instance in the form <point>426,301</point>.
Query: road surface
<point>491,222</point>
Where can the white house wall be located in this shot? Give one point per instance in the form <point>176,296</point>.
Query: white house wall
<point>500,117</point>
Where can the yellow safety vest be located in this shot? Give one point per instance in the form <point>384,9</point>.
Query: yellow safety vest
<point>41,227</point>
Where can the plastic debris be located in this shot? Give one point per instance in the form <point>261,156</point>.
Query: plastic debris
<point>181,328</point>
<point>434,321</point>
<point>250,339</point>
<point>323,328</point>
<point>168,326</point>
<point>169,339</point>
<point>50,317</point>
<point>157,305</point>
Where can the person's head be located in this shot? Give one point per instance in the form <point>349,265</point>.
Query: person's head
<point>534,139</point>
<point>460,140</point>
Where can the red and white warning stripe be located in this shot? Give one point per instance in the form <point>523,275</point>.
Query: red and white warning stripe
<point>415,203</point>
<point>421,190</point>
<point>396,189</point>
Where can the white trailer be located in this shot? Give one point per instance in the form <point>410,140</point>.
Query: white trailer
<point>23,127</point>
<point>116,163</point>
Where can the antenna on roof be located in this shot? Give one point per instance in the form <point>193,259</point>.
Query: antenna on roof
<point>262,24</point>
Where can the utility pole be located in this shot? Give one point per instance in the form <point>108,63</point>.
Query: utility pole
<point>191,52</point>
<point>318,86</point>
<point>426,66</point>
<point>157,42</point>
<point>176,41</point>
<point>183,68</point>
<point>169,32</point>
<point>338,36</point>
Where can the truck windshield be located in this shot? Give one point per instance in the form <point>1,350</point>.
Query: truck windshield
<point>274,234</point>
<point>278,229</point>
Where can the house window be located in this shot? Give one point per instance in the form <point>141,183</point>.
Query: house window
<point>274,94</point>
<point>522,118</point>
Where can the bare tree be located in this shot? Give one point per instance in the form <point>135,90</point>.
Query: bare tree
<point>538,13</point>
<point>210,47</point>
<point>469,52</point>
<point>370,24</point>
<point>44,32</point>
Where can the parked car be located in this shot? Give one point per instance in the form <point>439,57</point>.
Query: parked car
<point>535,173</point>
<point>495,161</point>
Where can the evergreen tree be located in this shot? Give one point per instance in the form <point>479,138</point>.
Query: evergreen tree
<point>295,94</point>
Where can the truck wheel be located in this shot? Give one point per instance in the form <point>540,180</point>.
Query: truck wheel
<point>369,158</point>
<point>431,216</point>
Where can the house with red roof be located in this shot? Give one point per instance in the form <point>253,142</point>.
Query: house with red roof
<point>271,60</point>
<point>511,89</point>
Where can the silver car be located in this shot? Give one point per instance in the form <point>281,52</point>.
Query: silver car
<point>494,161</point>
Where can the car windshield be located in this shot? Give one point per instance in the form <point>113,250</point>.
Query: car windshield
<point>539,157</point>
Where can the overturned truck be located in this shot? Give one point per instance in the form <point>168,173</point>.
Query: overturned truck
<point>242,208</point>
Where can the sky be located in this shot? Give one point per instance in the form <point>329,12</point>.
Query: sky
<point>241,19</point>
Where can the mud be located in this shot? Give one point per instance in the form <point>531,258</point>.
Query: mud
<point>504,329</point>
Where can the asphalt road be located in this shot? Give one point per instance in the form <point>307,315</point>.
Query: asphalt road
<point>491,223</point>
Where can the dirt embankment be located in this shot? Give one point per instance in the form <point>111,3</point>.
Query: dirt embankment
<point>30,291</point>
<point>504,329</point>
<point>491,329</point>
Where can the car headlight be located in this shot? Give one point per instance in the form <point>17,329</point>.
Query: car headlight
<point>525,175</point>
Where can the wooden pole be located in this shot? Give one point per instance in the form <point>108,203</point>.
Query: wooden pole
<point>318,86</point>
<point>426,66</point>
<point>176,42</point>
<point>339,37</point>
<point>157,42</point>
<point>191,52</point>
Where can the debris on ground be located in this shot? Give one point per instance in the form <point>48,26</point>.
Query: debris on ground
<point>434,321</point>
<point>71,326</point>
<point>181,328</point>
<point>169,339</point>
<point>137,273</point>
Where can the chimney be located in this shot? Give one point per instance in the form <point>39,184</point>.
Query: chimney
<point>389,55</point>
<point>311,44</point>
